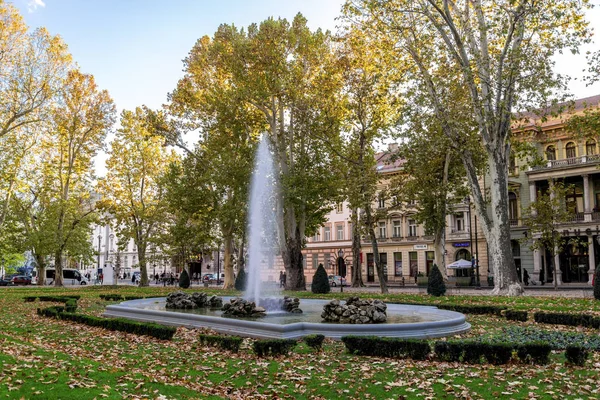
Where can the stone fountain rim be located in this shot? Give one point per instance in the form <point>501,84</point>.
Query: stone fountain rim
<point>454,323</point>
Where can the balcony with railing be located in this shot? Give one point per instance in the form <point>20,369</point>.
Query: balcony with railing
<point>571,162</point>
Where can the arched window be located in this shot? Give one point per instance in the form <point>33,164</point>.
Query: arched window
<point>590,147</point>
<point>550,153</point>
<point>463,254</point>
<point>570,150</point>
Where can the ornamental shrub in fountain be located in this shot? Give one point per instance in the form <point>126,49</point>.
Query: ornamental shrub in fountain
<point>435,285</point>
<point>320,283</point>
<point>240,281</point>
<point>184,280</point>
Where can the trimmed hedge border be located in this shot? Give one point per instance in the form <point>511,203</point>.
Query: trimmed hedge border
<point>586,320</point>
<point>113,324</point>
<point>387,347</point>
<point>111,297</point>
<point>58,299</point>
<point>514,315</point>
<point>465,309</point>
<point>315,341</point>
<point>273,347</point>
<point>231,343</point>
<point>576,355</point>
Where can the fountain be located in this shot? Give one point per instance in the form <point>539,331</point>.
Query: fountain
<point>406,321</point>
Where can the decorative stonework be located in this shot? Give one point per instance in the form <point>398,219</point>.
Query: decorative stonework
<point>181,300</point>
<point>239,307</point>
<point>288,304</point>
<point>355,311</point>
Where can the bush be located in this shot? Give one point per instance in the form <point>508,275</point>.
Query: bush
<point>514,315</point>
<point>231,343</point>
<point>448,351</point>
<point>534,352</point>
<point>435,284</point>
<point>29,299</point>
<point>473,309</point>
<point>556,339</point>
<point>273,347</point>
<point>240,280</point>
<point>387,347</point>
<point>133,297</point>
<point>71,305</point>
<point>586,320</point>
<point>576,355</point>
<point>314,341</point>
<point>597,282</point>
<point>184,279</point>
<point>471,351</point>
<point>111,297</point>
<point>320,283</point>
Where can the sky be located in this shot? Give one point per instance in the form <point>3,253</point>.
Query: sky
<point>135,48</point>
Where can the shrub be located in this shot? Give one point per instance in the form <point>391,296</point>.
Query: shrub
<point>111,297</point>
<point>499,353</point>
<point>71,305</point>
<point>534,352</point>
<point>576,355</point>
<point>52,312</point>
<point>240,280</point>
<point>320,283</point>
<point>273,347</point>
<point>597,282</point>
<point>473,309</point>
<point>556,339</point>
<point>231,343</point>
<point>448,351</point>
<point>472,351</point>
<point>387,347</point>
<point>435,284</point>
<point>184,279</point>
<point>586,320</point>
<point>29,299</point>
<point>133,297</point>
<point>514,315</point>
<point>314,341</point>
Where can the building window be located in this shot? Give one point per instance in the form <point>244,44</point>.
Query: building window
<point>397,226</point>
<point>512,165</point>
<point>315,261</point>
<point>571,150</point>
<point>412,228</point>
<point>340,208</point>
<point>513,210</point>
<point>326,264</point>
<point>383,261</point>
<point>590,147</point>
<point>429,259</point>
<point>339,232</point>
<point>382,230</point>
<point>398,264</point>
<point>459,222</point>
<point>550,153</point>
<point>414,264</point>
<point>381,201</point>
<point>327,233</point>
<point>317,237</point>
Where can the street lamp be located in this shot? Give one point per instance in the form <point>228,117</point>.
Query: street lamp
<point>468,200</point>
<point>341,268</point>
<point>98,268</point>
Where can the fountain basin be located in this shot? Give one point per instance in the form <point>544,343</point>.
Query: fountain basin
<point>432,322</point>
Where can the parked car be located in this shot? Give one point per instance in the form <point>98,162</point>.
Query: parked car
<point>70,277</point>
<point>21,280</point>
<point>336,280</point>
<point>6,281</point>
<point>212,278</point>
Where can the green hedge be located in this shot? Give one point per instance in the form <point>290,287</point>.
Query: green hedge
<point>231,343</point>
<point>134,297</point>
<point>111,297</point>
<point>576,355</point>
<point>587,320</point>
<point>473,309</point>
<point>71,305</point>
<point>514,315</point>
<point>57,299</point>
<point>387,347</point>
<point>534,352</point>
<point>273,347</point>
<point>314,341</point>
<point>113,324</point>
<point>472,351</point>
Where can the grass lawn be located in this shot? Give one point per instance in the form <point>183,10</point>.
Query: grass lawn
<point>46,358</point>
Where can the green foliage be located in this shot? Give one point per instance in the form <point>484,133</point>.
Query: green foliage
<point>387,347</point>
<point>231,343</point>
<point>537,352</point>
<point>597,282</point>
<point>435,285</point>
<point>472,351</point>
<point>111,297</point>
<point>133,297</point>
<point>587,320</point>
<point>473,309</point>
<point>273,347</point>
<point>558,340</point>
<point>320,283</point>
<point>184,279</point>
<point>576,355</point>
<point>71,305</point>
<point>314,341</point>
<point>514,315</point>
<point>113,324</point>
<point>240,280</point>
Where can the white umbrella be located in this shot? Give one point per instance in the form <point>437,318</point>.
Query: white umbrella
<point>460,264</point>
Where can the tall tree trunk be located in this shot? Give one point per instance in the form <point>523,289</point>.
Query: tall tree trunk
<point>439,246</point>
<point>58,268</point>
<point>292,259</point>
<point>378,267</point>
<point>229,282</point>
<point>357,280</point>
<point>143,267</point>
<point>241,260</point>
<point>41,269</point>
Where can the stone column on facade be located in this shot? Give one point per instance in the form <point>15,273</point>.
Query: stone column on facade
<point>536,262</point>
<point>592,259</point>
<point>586,198</point>
<point>558,276</point>
<point>532,195</point>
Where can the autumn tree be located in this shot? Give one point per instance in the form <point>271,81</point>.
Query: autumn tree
<point>501,52</point>
<point>131,190</point>
<point>285,73</point>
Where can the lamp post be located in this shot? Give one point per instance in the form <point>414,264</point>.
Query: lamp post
<point>219,265</point>
<point>98,268</point>
<point>468,199</point>
<point>341,268</point>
